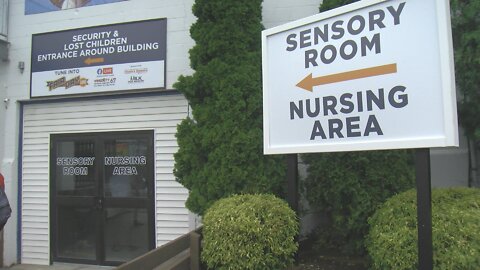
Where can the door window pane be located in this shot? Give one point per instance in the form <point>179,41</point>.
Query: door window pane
<point>75,167</point>
<point>126,162</point>
<point>126,233</point>
<point>102,188</point>
<point>76,233</point>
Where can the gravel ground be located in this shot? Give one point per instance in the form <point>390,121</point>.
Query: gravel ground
<point>310,259</point>
<point>331,262</point>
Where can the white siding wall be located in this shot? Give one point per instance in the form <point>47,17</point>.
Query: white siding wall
<point>277,12</point>
<point>171,214</point>
<point>41,120</point>
<point>160,113</point>
<point>15,86</point>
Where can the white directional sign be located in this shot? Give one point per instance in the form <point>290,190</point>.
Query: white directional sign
<point>370,75</point>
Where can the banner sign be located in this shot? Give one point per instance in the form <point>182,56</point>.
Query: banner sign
<point>99,59</point>
<point>372,75</point>
<point>40,6</point>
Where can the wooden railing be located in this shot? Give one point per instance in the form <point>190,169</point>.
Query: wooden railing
<point>182,253</point>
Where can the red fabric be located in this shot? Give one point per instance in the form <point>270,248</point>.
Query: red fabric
<point>2,182</point>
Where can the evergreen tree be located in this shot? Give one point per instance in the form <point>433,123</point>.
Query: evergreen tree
<point>330,4</point>
<point>466,41</point>
<point>349,187</point>
<point>220,146</point>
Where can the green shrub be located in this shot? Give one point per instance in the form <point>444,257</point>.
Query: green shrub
<point>392,241</point>
<point>466,41</point>
<point>249,232</point>
<point>349,187</point>
<point>331,4</point>
<point>220,146</point>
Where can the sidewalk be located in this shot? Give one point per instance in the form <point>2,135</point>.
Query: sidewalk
<point>58,266</point>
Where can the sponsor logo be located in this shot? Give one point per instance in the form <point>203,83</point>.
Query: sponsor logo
<point>135,79</point>
<point>108,71</point>
<point>105,71</point>
<point>136,70</point>
<point>104,82</point>
<point>63,82</point>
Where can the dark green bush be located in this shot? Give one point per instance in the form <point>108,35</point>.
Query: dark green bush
<point>331,4</point>
<point>249,232</point>
<point>349,187</point>
<point>392,241</point>
<point>220,146</point>
<point>466,41</point>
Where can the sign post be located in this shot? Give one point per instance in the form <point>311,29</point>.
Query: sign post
<point>292,181</point>
<point>424,208</point>
<point>371,75</point>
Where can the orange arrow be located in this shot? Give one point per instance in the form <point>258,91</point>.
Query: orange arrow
<point>309,82</point>
<point>90,61</point>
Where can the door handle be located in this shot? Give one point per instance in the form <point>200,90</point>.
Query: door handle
<point>98,204</point>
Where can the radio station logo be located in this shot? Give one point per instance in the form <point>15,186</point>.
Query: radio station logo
<point>104,82</point>
<point>63,82</point>
<point>135,79</point>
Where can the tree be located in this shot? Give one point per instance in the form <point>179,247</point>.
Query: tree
<point>330,4</point>
<point>349,187</point>
<point>466,41</point>
<point>220,146</point>
<point>466,38</point>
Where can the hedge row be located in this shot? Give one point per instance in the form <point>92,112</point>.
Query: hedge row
<point>258,232</point>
